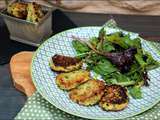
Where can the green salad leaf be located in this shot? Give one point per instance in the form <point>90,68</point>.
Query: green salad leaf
<point>146,61</point>
<point>106,46</point>
<point>123,80</point>
<point>132,43</point>
<point>104,67</point>
<point>123,40</point>
<point>140,60</point>
<point>80,47</point>
<point>151,63</point>
<point>94,41</point>
<point>116,38</point>
<point>135,92</point>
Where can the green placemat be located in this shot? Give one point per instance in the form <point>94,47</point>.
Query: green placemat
<point>37,108</point>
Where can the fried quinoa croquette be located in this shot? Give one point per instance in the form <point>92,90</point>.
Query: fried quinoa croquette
<point>34,12</point>
<point>88,93</point>
<point>62,63</point>
<point>68,81</point>
<point>29,11</point>
<point>18,10</point>
<point>115,98</point>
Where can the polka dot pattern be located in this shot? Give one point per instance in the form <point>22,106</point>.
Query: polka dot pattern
<point>37,108</point>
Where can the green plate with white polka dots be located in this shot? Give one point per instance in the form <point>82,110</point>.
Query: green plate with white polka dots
<point>44,78</point>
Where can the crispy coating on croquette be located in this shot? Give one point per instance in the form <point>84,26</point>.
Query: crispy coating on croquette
<point>30,11</point>
<point>34,12</point>
<point>115,98</point>
<point>88,93</point>
<point>68,81</point>
<point>62,63</point>
<point>18,10</point>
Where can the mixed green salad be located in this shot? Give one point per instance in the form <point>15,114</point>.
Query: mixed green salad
<point>118,59</point>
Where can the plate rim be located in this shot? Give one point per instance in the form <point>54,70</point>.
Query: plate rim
<point>68,111</point>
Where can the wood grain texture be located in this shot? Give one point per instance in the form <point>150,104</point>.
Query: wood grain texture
<point>20,71</point>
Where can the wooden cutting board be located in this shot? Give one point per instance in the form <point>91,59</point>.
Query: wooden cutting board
<point>20,71</point>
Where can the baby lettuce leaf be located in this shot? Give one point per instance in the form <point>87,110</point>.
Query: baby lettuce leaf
<point>94,41</point>
<point>132,43</point>
<point>140,60</point>
<point>122,79</point>
<point>81,49</point>
<point>123,40</point>
<point>106,46</point>
<point>135,92</point>
<point>151,63</point>
<point>116,38</point>
<point>104,67</point>
<point>92,60</point>
<point>146,61</point>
